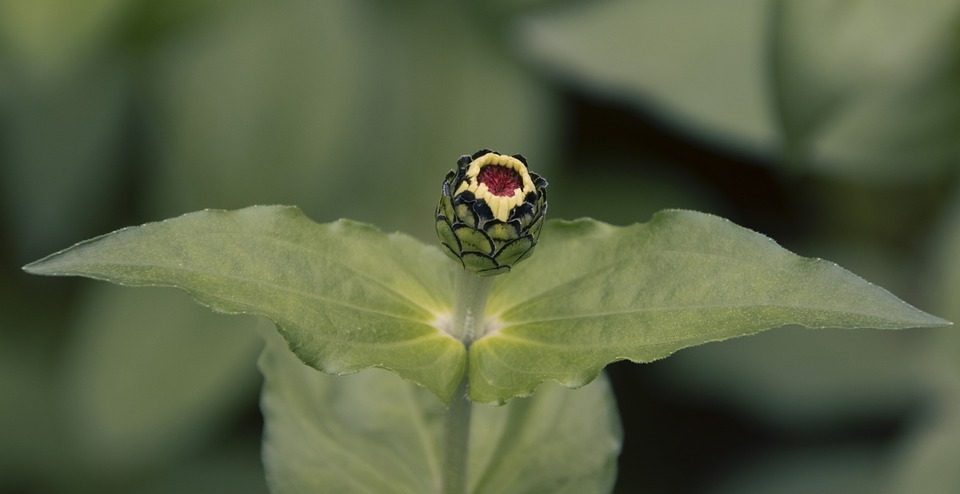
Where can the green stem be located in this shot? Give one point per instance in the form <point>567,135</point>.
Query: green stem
<point>457,442</point>
<point>470,300</point>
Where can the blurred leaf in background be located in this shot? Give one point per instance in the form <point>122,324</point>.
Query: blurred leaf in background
<point>868,90</point>
<point>696,65</point>
<point>147,372</point>
<point>348,109</point>
<point>861,90</point>
<point>927,456</point>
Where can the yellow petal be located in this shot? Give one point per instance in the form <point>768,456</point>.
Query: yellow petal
<point>503,209</point>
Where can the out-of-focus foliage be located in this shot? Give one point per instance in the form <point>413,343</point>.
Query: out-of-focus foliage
<point>861,90</point>
<point>699,65</point>
<point>118,112</point>
<point>125,369</point>
<point>348,101</point>
<point>927,456</point>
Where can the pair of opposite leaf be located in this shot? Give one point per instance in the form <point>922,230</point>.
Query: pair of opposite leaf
<point>347,297</point>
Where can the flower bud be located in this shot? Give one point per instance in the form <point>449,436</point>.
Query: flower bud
<point>491,211</point>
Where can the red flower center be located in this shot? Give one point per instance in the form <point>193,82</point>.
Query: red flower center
<point>500,180</point>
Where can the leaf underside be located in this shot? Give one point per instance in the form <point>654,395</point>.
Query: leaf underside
<point>371,432</point>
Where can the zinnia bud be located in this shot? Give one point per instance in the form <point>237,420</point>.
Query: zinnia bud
<point>491,211</point>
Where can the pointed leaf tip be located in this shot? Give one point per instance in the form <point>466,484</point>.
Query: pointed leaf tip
<point>597,293</point>
<point>344,295</point>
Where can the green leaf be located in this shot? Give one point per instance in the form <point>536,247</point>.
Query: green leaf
<point>595,293</point>
<point>344,295</point>
<point>370,432</point>
<point>820,83</point>
<point>347,297</point>
<point>150,376</point>
<point>697,65</point>
<point>854,101</point>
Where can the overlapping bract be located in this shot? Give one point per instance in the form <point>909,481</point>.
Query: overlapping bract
<point>482,240</point>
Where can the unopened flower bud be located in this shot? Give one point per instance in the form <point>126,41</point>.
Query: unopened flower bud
<point>491,212</point>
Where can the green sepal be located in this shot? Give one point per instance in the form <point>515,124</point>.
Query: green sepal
<point>446,208</point>
<point>502,232</point>
<point>494,271</point>
<point>450,242</point>
<point>515,251</point>
<point>466,215</point>
<point>472,240</point>
<point>478,262</point>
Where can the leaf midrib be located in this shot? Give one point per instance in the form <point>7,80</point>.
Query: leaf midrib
<point>511,323</point>
<point>238,279</point>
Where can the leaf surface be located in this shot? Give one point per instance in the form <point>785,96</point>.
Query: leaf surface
<point>595,293</point>
<point>344,295</point>
<point>347,297</point>
<point>371,433</point>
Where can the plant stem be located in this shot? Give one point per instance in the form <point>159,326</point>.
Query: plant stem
<point>457,442</point>
<point>470,300</point>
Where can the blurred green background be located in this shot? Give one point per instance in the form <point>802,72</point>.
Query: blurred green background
<point>831,126</point>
